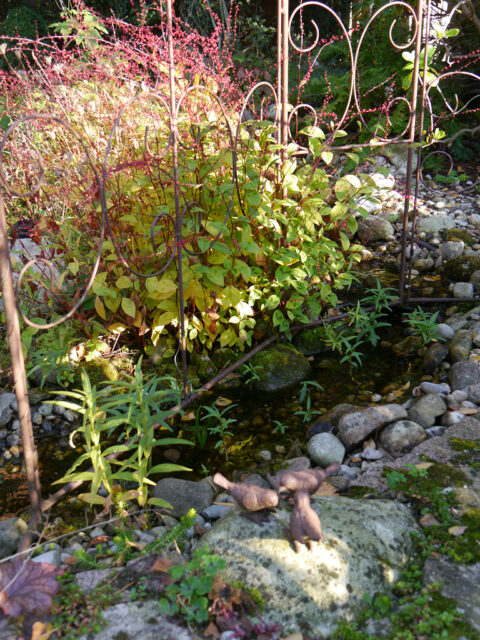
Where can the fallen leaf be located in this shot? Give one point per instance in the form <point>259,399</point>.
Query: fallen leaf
<point>457,530</point>
<point>27,586</point>
<point>468,411</point>
<point>188,417</point>
<point>162,564</point>
<point>98,540</point>
<point>223,402</point>
<point>41,630</point>
<point>424,465</point>
<point>211,631</point>
<point>326,489</point>
<point>428,521</point>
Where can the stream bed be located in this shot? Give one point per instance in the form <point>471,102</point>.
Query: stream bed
<point>264,428</point>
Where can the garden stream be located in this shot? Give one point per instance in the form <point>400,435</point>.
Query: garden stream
<point>264,427</point>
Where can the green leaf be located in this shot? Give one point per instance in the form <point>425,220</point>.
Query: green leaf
<point>123,282</point>
<point>249,246</point>
<point>168,467</point>
<point>216,275</point>
<point>128,307</point>
<point>159,502</point>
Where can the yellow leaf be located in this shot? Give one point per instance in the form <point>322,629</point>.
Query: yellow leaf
<point>123,282</point>
<point>327,156</point>
<point>457,530</point>
<point>73,268</point>
<point>99,308</point>
<point>116,327</point>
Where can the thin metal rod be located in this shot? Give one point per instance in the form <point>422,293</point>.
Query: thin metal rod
<point>178,216</point>
<point>18,368</point>
<point>279,114</point>
<point>411,139</point>
<point>284,73</point>
<point>419,148</point>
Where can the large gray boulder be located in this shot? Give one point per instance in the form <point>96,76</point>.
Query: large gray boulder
<point>356,426</point>
<point>365,545</point>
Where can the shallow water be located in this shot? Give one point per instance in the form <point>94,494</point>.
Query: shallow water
<point>255,429</point>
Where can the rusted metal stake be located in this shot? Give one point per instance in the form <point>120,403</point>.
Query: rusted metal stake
<point>178,217</point>
<point>411,139</point>
<point>18,368</point>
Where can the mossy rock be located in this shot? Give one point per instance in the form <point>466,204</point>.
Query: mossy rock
<point>98,370</point>
<point>458,235</point>
<point>106,369</point>
<point>205,368</point>
<point>279,367</point>
<point>223,357</point>
<point>460,268</point>
<point>310,341</point>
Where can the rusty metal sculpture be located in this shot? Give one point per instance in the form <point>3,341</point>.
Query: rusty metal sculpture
<point>250,497</point>
<point>305,527</point>
<point>306,480</point>
<point>418,104</point>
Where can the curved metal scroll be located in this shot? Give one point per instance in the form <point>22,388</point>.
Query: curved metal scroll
<point>43,178</point>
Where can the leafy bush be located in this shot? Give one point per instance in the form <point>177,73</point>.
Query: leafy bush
<point>275,246</point>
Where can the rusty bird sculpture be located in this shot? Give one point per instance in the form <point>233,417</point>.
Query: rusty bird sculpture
<point>305,527</point>
<point>250,497</point>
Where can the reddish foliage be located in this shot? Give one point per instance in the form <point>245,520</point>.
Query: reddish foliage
<point>27,586</point>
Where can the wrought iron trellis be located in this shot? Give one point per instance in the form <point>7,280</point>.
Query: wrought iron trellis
<point>419,107</point>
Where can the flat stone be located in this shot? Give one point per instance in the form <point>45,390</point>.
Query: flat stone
<point>445,331</point>
<point>433,387</point>
<point>464,374</point>
<point>184,495</point>
<point>6,410</point>
<point>402,436</point>
<point>434,224</point>
<point>325,448</point>
<point>425,409</point>
<point>463,290</point>
<point>365,545</point>
<point>436,354</point>
<point>457,582</point>
<point>356,426</point>
<point>12,531</point>
<point>138,620</point>
<point>460,346</point>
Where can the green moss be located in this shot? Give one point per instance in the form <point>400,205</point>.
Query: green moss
<point>310,341</point>
<point>465,548</point>
<point>459,444</point>
<point>360,492</point>
<point>253,593</point>
<point>458,234</point>
<point>460,268</point>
